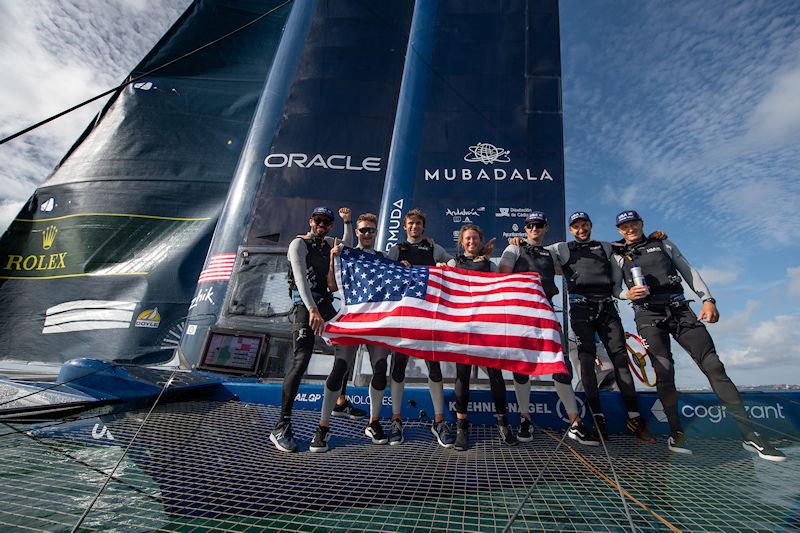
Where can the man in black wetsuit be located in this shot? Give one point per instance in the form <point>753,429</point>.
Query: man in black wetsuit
<point>309,260</point>
<point>591,275</point>
<point>366,228</point>
<point>531,256</point>
<point>417,250</point>
<point>661,310</point>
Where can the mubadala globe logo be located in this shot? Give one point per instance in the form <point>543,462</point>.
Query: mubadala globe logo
<point>489,155</point>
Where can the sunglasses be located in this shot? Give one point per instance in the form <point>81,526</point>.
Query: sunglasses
<point>322,221</point>
<point>536,225</point>
<point>366,231</point>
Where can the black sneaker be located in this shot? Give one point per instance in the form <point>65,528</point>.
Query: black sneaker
<point>320,441</point>
<point>375,432</point>
<point>525,431</point>
<point>754,443</point>
<point>396,433</point>
<point>638,428</point>
<point>600,427</point>
<point>578,432</point>
<point>282,436</point>
<point>507,436</point>
<point>676,442</point>
<point>443,433</point>
<point>462,435</point>
<point>348,410</point>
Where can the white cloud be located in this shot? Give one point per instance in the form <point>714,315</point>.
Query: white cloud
<point>793,273</point>
<point>55,54</point>
<point>719,276</point>
<point>768,343</point>
<point>777,117</point>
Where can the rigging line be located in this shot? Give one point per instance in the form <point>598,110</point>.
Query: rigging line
<point>124,452</point>
<point>139,77</point>
<point>635,500</point>
<point>613,472</point>
<point>514,517</point>
<point>82,462</point>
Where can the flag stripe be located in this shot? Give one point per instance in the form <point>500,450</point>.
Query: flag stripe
<point>464,338</point>
<point>447,314</point>
<point>416,312</point>
<point>513,365</point>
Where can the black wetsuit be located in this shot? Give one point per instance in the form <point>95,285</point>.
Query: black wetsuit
<point>665,312</point>
<point>317,261</point>
<point>536,258</point>
<point>587,268</point>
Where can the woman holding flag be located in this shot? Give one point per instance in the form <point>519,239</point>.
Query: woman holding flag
<point>476,258</point>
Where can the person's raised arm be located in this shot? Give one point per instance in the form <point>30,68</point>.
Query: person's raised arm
<point>337,247</point>
<point>346,215</point>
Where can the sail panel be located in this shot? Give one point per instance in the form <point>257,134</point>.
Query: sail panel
<point>128,214</point>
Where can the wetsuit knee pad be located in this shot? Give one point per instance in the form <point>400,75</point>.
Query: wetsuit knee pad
<point>521,378</point>
<point>379,375</point>
<point>566,379</point>
<point>336,377</point>
<point>399,370</point>
<point>435,372</point>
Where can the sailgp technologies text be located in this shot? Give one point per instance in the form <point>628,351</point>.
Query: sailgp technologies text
<point>354,399</point>
<point>331,162</point>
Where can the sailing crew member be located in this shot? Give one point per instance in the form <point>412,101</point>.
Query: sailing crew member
<point>476,257</point>
<point>591,274</point>
<point>366,228</point>
<point>309,259</point>
<point>418,250</point>
<point>532,256</point>
<point>653,270</point>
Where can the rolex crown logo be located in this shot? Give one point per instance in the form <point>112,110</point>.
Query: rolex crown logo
<point>49,236</point>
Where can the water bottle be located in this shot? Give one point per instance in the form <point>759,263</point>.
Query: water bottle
<point>638,277</point>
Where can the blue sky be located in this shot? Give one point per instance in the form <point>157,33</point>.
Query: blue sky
<point>686,111</point>
<point>690,113</point>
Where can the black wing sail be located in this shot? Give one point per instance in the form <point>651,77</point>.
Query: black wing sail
<point>104,258</point>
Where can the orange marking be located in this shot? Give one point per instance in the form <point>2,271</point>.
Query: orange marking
<point>627,494</point>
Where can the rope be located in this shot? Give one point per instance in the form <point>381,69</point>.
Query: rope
<point>514,516</point>
<point>141,76</point>
<point>124,453</point>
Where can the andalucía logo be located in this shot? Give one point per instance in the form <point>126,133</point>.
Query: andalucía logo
<point>487,154</point>
<point>149,318</point>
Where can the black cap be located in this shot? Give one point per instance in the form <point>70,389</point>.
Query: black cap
<point>579,215</point>
<point>627,216</point>
<point>322,212</point>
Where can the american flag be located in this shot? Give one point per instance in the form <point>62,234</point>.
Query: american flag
<point>447,314</point>
<point>220,268</point>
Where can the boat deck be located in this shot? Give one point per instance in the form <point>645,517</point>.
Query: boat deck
<point>200,466</point>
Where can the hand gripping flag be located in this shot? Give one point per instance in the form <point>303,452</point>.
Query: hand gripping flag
<point>447,314</point>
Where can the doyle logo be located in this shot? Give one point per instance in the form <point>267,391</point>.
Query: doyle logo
<point>49,237</point>
<point>487,154</point>
<point>331,162</point>
<point>101,432</point>
<point>149,318</point>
